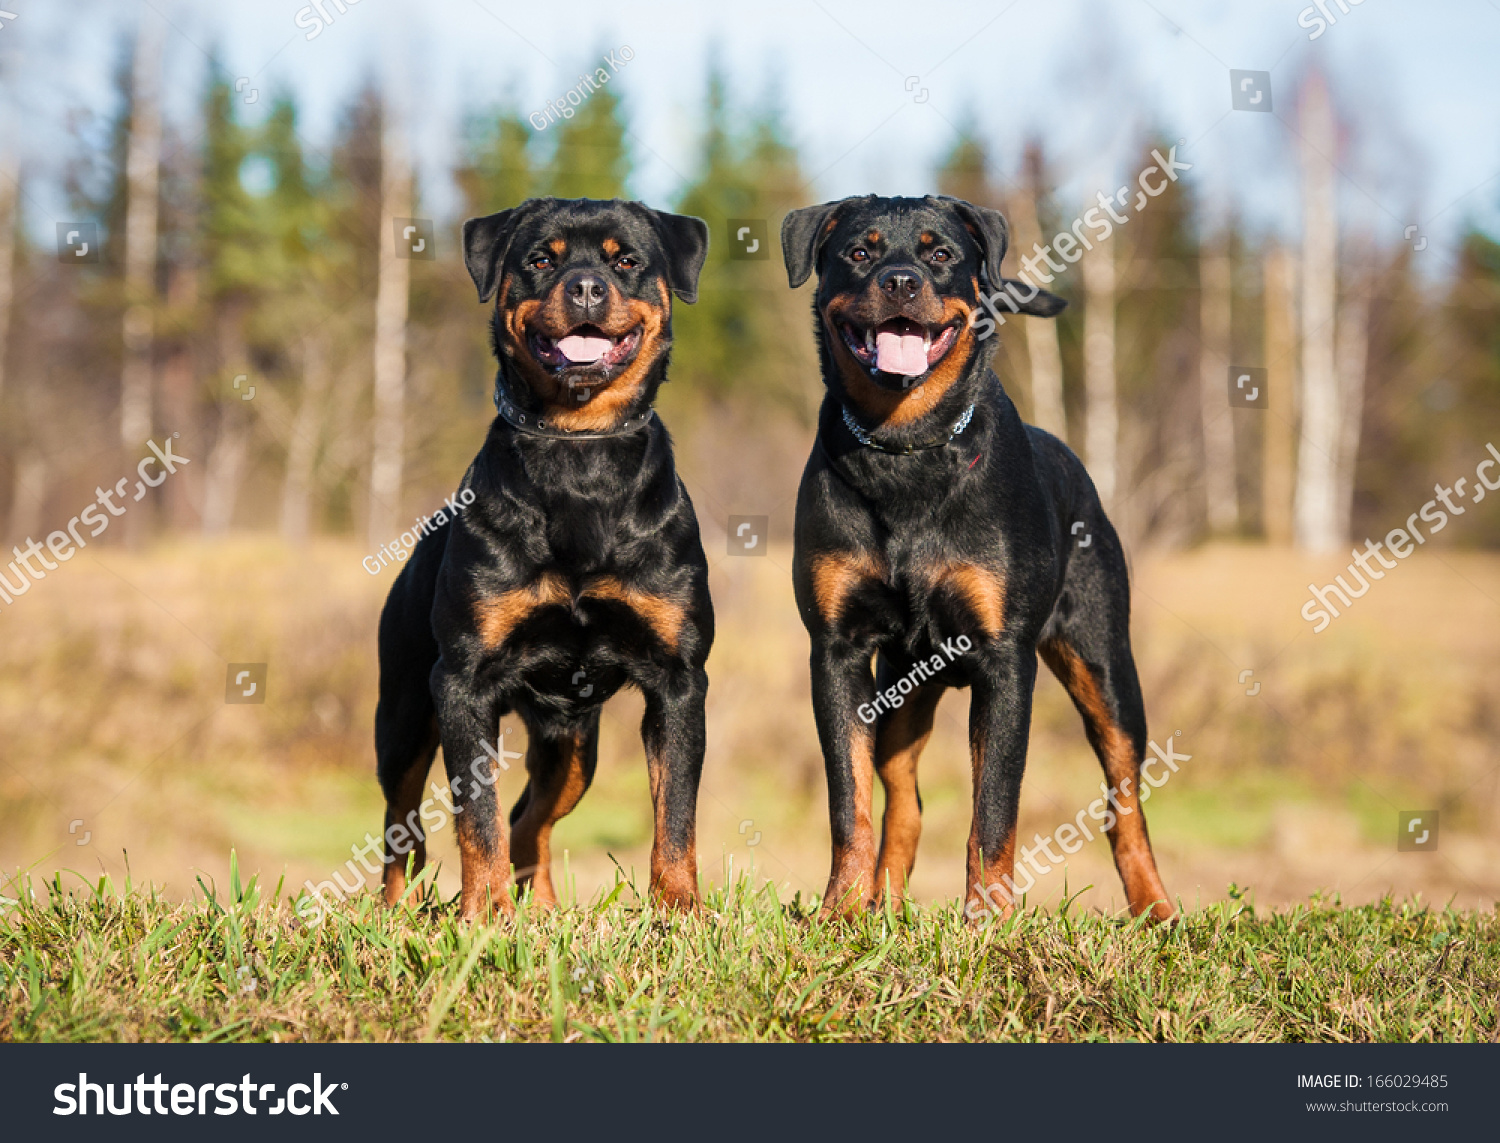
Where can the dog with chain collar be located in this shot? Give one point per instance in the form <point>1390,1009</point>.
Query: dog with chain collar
<point>930,517</point>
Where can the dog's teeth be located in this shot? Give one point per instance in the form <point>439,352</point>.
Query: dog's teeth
<point>869,341</point>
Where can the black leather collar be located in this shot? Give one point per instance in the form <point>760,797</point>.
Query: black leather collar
<point>533,425</point>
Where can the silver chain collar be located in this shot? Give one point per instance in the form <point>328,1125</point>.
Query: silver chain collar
<point>869,441</point>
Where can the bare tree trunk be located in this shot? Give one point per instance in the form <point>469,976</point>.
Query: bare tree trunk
<point>225,468</point>
<point>1102,418</point>
<point>1215,285</point>
<point>1316,510</point>
<point>302,449</point>
<point>180,414</point>
<point>29,495</point>
<point>1044,356</point>
<point>8,196</point>
<point>1281,380</point>
<point>1351,356</point>
<point>10,431</point>
<point>142,164</point>
<point>390,334</point>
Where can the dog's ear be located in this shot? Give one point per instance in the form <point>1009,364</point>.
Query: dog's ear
<point>987,227</point>
<point>685,241</point>
<point>803,233</point>
<point>1039,303</point>
<point>487,241</point>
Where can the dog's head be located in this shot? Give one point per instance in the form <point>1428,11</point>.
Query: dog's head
<point>583,300</point>
<point>898,281</point>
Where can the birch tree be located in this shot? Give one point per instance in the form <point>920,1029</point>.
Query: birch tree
<point>1277,463</point>
<point>142,173</point>
<point>1316,509</point>
<point>8,198</point>
<point>1215,286</point>
<point>1102,416</point>
<point>232,257</point>
<point>1044,355</point>
<point>391,299</point>
<point>1351,355</point>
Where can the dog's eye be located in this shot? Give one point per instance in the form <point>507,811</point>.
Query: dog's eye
<point>941,255</point>
<point>859,254</point>
<point>629,262</point>
<point>541,262</point>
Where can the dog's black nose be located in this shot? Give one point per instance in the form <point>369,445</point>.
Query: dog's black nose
<point>901,283</point>
<point>585,290</point>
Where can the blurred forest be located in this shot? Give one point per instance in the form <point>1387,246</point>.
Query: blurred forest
<point>248,304</point>
<point>235,257</point>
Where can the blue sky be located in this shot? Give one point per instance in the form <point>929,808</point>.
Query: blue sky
<point>1416,86</point>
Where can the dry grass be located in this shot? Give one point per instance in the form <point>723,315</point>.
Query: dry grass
<point>98,965</point>
<point>111,710</point>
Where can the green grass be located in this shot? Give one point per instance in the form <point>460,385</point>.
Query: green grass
<point>98,964</point>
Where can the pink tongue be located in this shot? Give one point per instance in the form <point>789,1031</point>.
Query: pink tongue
<point>576,347</point>
<point>904,353</point>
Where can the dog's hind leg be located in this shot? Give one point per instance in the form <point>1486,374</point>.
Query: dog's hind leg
<point>406,740</point>
<point>1086,643</point>
<point>560,768</point>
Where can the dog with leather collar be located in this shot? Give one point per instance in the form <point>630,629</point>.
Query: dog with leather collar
<point>576,570</point>
<point>934,535</point>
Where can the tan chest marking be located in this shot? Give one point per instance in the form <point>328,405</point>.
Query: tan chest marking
<point>982,590</point>
<point>499,615</point>
<point>835,575</point>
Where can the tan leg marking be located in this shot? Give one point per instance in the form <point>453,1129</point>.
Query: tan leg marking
<point>1128,839</point>
<point>899,741</point>
<point>408,801</point>
<point>556,785</point>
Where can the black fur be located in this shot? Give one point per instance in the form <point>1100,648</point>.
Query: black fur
<point>917,542</point>
<point>531,599</point>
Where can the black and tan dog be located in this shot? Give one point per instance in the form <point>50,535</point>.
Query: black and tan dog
<point>934,531</point>
<point>576,567</point>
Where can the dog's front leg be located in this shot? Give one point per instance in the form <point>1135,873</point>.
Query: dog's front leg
<point>673,731</point>
<point>842,687</point>
<point>999,721</point>
<point>469,727</point>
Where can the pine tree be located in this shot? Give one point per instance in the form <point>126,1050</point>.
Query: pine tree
<point>499,169</point>
<point>589,158</point>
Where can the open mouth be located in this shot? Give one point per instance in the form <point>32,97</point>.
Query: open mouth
<point>587,348</point>
<point>898,346</point>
